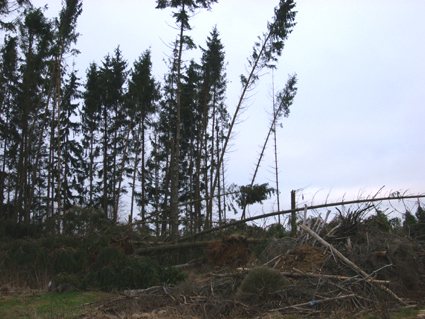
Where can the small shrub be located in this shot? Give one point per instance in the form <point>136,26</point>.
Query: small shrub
<point>277,231</point>
<point>63,282</point>
<point>65,260</point>
<point>26,253</point>
<point>171,275</point>
<point>107,277</point>
<point>111,256</point>
<point>260,284</point>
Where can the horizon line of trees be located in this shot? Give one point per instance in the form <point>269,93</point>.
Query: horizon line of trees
<point>67,143</point>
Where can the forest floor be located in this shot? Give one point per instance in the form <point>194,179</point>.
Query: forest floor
<point>319,283</point>
<point>97,304</point>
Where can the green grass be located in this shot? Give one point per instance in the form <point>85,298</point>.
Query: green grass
<point>47,305</point>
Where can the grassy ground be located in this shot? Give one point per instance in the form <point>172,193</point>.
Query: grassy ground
<point>44,305</point>
<point>47,305</point>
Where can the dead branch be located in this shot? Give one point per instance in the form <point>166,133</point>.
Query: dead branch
<point>304,274</point>
<point>317,301</point>
<point>135,292</point>
<point>348,262</point>
<point>270,261</point>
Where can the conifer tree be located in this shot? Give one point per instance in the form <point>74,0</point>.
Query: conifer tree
<point>113,76</point>
<point>212,101</point>
<point>265,53</point>
<point>71,148</point>
<point>8,8</point>
<point>161,155</point>
<point>284,99</point>
<point>66,35</point>
<point>143,92</point>
<point>8,95</point>
<point>184,9</point>
<point>35,43</point>
<point>90,118</point>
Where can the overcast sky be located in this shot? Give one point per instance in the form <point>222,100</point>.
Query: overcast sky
<point>358,120</point>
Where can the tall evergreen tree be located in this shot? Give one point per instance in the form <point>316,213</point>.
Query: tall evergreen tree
<point>265,53</point>
<point>184,9</point>
<point>8,94</point>
<point>143,92</point>
<point>113,76</point>
<point>71,148</point>
<point>284,99</point>
<point>212,101</point>
<point>90,119</point>
<point>66,35</point>
<point>161,155</point>
<point>35,43</point>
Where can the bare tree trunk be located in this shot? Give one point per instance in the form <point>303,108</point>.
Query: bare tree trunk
<point>122,168</point>
<point>58,93</point>
<point>275,151</point>
<point>174,208</point>
<point>133,186</point>
<point>105,161</point>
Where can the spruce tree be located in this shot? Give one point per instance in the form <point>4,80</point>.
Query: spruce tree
<point>264,55</point>
<point>184,9</point>
<point>90,118</point>
<point>113,77</point>
<point>161,155</point>
<point>143,92</point>
<point>71,148</point>
<point>212,101</point>
<point>8,95</point>
<point>35,43</point>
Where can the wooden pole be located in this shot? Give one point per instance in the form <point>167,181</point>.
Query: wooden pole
<point>293,215</point>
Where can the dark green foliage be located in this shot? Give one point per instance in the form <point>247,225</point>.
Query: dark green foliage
<point>380,221</point>
<point>12,229</point>
<point>82,264</point>
<point>64,261</point>
<point>113,269</point>
<point>186,7</point>
<point>285,98</point>
<point>111,256</point>
<point>68,279</point>
<point>420,215</point>
<point>409,221</point>
<point>414,225</point>
<point>83,221</point>
<point>26,253</point>
<point>140,273</point>
<point>260,284</point>
<point>255,194</point>
<point>277,231</point>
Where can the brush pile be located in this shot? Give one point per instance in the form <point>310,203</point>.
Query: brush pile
<point>349,266</point>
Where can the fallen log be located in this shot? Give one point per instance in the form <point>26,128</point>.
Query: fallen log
<point>304,274</point>
<point>197,244</point>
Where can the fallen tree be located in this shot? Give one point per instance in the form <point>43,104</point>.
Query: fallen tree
<point>394,196</point>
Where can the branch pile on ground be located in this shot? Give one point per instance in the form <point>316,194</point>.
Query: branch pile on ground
<point>355,269</point>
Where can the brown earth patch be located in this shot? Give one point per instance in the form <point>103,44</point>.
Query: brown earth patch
<point>231,251</point>
<point>304,258</point>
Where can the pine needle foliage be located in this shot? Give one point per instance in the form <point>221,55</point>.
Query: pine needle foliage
<point>260,284</point>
